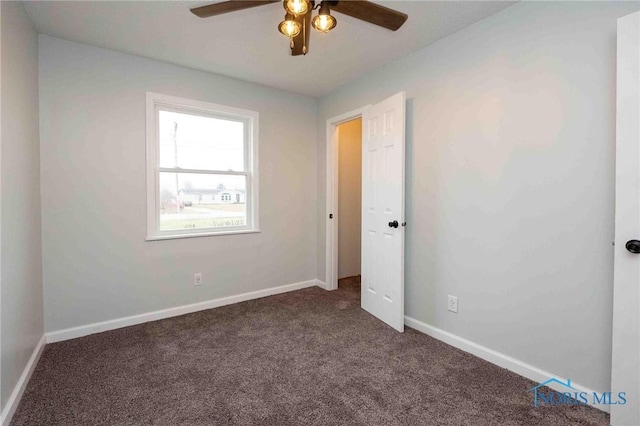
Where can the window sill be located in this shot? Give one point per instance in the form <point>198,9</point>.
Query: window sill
<point>204,234</point>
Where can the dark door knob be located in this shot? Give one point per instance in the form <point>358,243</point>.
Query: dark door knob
<point>394,224</point>
<point>633,246</point>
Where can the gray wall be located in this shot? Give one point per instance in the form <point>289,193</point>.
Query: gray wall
<point>21,276</point>
<point>510,181</point>
<point>97,265</point>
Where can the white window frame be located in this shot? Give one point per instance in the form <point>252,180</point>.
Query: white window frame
<point>157,102</point>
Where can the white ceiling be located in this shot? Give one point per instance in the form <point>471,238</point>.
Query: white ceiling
<point>247,45</point>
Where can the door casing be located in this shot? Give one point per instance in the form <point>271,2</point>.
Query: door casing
<point>331,272</point>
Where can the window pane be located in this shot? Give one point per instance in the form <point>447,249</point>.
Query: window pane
<point>197,201</point>
<point>196,142</point>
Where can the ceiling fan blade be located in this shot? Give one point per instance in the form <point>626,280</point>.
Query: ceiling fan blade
<point>371,12</point>
<point>301,41</point>
<point>228,6</point>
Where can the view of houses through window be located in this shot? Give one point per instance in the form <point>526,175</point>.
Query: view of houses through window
<point>202,175</point>
<point>189,201</point>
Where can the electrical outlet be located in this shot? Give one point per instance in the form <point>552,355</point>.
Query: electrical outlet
<point>197,279</point>
<point>453,304</point>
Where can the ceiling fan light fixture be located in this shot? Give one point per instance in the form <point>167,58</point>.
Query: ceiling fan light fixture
<point>296,7</point>
<point>299,20</point>
<point>289,27</point>
<point>324,22</point>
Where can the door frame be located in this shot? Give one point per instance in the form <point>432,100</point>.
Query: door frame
<point>331,256</point>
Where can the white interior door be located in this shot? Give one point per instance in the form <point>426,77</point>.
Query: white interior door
<point>625,367</point>
<point>383,210</point>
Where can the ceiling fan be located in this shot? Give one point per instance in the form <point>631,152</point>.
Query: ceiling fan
<point>297,22</point>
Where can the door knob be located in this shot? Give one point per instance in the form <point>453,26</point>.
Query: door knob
<point>394,224</point>
<point>633,246</point>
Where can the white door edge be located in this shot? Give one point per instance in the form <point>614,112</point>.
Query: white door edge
<point>625,357</point>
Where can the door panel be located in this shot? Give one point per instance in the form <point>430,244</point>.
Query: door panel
<point>383,202</point>
<point>625,366</point>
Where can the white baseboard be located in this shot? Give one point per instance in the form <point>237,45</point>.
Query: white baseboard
<point>16,395</point>
<point>322,285</point>
<point>536,374</point>
<point>98,327</point>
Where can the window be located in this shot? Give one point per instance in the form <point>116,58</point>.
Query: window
<point>201,168</point>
